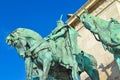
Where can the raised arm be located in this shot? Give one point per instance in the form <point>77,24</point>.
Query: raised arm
<point>59,33</point>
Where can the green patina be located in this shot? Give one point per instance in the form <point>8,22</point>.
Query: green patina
<point>58,48</point>
<point>108,33</point>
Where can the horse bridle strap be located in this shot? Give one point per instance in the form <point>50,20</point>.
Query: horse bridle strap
<point>36,45</point>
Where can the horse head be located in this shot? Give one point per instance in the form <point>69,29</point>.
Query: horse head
<point>14,39</point>
<point>89,22</point>
<point>22,39</point>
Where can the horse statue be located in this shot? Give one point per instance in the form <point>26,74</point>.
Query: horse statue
<point>107,32</point>
<point>37,50</point>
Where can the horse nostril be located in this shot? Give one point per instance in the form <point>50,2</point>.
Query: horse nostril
<point>8,41</point>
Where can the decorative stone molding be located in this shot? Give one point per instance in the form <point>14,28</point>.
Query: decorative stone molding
<point>93,6</point>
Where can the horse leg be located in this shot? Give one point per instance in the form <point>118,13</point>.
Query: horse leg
<point>73,79</point>
<point>93,73</point>
<point>28,66</point>
<point>117,59</point>
<point>75,75</point>
<point>46,67</point>
<point>46,64</point>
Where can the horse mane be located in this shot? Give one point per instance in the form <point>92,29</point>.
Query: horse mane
<point>30,36</point>
<point>99,21</point>
<point>27,33</point>
<point>105,23</point>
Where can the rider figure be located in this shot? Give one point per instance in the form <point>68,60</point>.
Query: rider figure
<point>65,38</point>
<point>58,35</point>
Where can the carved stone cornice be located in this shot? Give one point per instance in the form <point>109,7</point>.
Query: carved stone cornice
<point>93,6</point>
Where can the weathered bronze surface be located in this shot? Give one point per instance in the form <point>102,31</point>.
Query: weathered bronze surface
<point>107,32</point>
<point>46,58</point>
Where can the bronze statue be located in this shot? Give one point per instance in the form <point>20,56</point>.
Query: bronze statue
<point>107,32</point>
<point>57,48</point>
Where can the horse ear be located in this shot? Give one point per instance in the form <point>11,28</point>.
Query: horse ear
<point>85,10</point>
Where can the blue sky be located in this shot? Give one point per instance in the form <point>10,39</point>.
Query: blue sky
<point>38,15</point>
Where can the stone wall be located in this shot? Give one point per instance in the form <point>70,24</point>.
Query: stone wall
<point>107,67</point>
